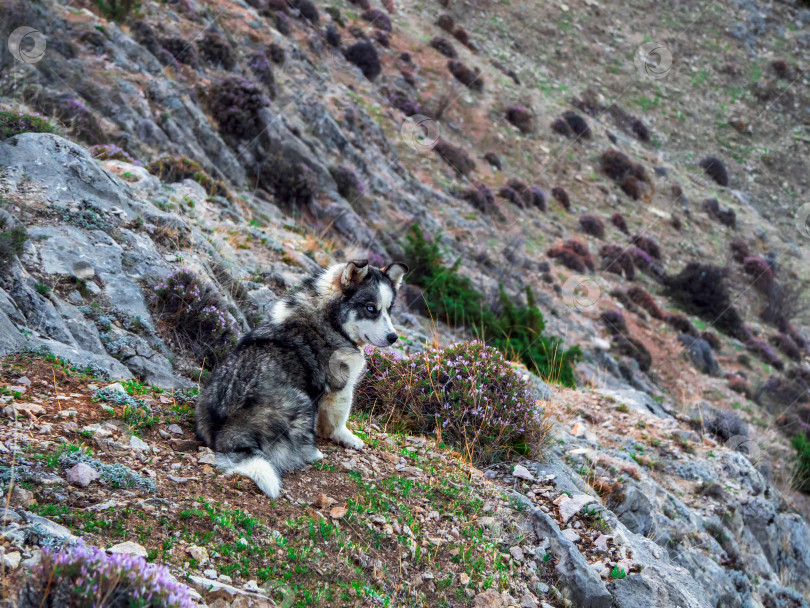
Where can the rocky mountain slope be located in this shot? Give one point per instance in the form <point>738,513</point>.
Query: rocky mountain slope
<point>643,170</point>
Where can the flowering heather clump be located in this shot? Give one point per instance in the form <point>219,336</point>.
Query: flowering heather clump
<point>646,301</point>
<point>462,36</point>
<point>307,10</point>
<point>617,219</point>
<point>561,196</point>
<point>582,251</point>
<point>760,272</point>
<point>181,49</point>
<point>512,196</point>
<point>364,56</point>
<point>87,576</point>
<point>382,38</point>
<point>567,258</point>
<point>572,124</point>
<point>614,322</point>
<point>764,352</point>
<point>618,261</point>
<point>263,71</point>
<point>538,198</point>
<point>630,347</point>
<point>681,324</point>
<point>405,105</point>
<point>787,345</point>
<point>175,169</point>
<point>348,184</point>
<point>711,339</point>
<point>444,46</point>
<point>216,50</point>
<point>446,22</point>
<point>469,78</point>
<point>454,156</point>
<point>235,104</point>
<point>592,225</point>
<point>640,130</point>
<point>276,53</point>
<point>196,315</point>
<point>739,250</point>
<point>647,245</point>
<point>738,384</point>
<point>716,169</point>
<point>520,117</point>
<point>480,196</point>
<point>111,152</point>
<point>468,395</point>
<point>283,24</point>
<point>377,18</point>
<point>494,160</point>
<point>727,217</point>
<point>629,175</point>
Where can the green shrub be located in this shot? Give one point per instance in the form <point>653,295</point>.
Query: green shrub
<point>116,10</point>
<point>177,168</point>
<point>14,123</point>
<point>11,243</point>
<point>516,331</point>
<point>468,395</point>
<point>801,474</point>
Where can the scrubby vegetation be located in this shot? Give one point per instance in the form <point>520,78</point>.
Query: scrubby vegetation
<point>801,475</point>
<point>517,331</point>
<point>85,576</point>
<point>364,56</point>
<point>716,169</point>
<point>467,395</point>
<point>14,123</point>
<point>454,156</point>
<point>195,315</point>
<point>235,103</point>
<point>177,168</point>
<point>12,241</point>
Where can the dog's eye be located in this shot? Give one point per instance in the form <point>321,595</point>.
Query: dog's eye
<point>371,308</point>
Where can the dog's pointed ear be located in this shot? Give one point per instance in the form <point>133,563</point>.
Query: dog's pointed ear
<point>395,272</point>
<point>354,273</point>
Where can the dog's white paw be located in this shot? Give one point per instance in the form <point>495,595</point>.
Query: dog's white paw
<point>317,455</point>
<point>345,437</point>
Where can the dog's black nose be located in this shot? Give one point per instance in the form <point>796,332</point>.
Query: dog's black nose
<point>392,337</point>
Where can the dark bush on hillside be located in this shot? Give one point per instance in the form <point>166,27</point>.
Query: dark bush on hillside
<point>467,395</point>
<point>115,10</point>
<point>444,46</point>
<point>235,104</point>
<point>581,250</point>
<point>292,182</point>
<point>739,250</point>
<point>740,385</point>
<point>617,260</point>
<point>182,50</point>
<point>787,346</point>
<point>675,221</point>
<point>15,123</point>
<point>469,78</point>
<point>681,324</point>
<point>592,225</point>
<point>192,312</point>
<point>494,160</point>
<point>578,125</point>
<point>216,50</point>
<point>446,22</point>
<point>567,258</point>
<point>462,36</point>
<point>725,425</point>
<point>377,18</point>
<point>616,165</point>
<point>480,196</point>
<point>561,196</point>
<point>512,196</point>
<point>647,245</point>
<point>283,24</point>
<point>646,301</point>
<point>364,56</point>
<point>332,36</point>
<point>701,290</point>
<point>786,301</point>
<point>522,190</point>
<point>516,331</point>
<point>454,156</point>
<point>614,322</point>
<point>348,183</point>
<point>538,198</point>
<point>617,219</point>
<point>801,468</point>
<point>520,117</point>
<point>276,53</point>
<point>647,265</point>
<point>727,217</point>
<point>764,353</point>
<point>111,152</point>
<point>640,130</point>
<point>12,242</point>
<point>760,272</point>
<point>307,9</point>
<point>716,169</point>
<point>263,71</point>
<point>711,339</point>
<point>405,105</point>
<point>630,347</point>
<point>174,169</point>
<point>71,112</point>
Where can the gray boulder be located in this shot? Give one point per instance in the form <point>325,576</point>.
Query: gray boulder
<point>659,587</point>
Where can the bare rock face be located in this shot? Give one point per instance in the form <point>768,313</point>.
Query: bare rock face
<point>82,475</point>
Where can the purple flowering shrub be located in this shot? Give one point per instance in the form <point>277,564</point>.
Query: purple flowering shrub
<point>468,395</point>
<point>196,316</point>
<point>111,152</point>
<point>235,104</point>
<point>177,168</point>
<point>14,123</point>
<point>87,576</point>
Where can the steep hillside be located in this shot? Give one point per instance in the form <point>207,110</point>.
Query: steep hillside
<point>618,187</point>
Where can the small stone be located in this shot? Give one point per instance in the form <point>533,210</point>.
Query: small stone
<point>92,288</point>
<point>83,271</point>
<point>210,573</point>
<point>82,475</point>
<point>224,578</point>
<point>138,444</point>
<point>207,458</point>
<point>464,578</point>
<point>129,547</point>
<point>23,381</point>
<point>115,387</point>
<point>601,542</point>
<point>516,553</point>
<point>571,535</point>
<point>199,554</point>
<point>541,587</point>
<point>175,429</point>
<point>488,599</point>
<point>12,560</point>
<point>570,506</point>
<point>33,561</point>
<point>527,601</point>
<point>522,472</point>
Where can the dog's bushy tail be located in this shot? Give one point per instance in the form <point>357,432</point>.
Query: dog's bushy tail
<point>254,467</point>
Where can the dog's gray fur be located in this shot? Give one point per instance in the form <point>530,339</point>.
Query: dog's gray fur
<point>295,376</point>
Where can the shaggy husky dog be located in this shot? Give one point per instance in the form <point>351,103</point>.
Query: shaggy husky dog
<point>294,377</point>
